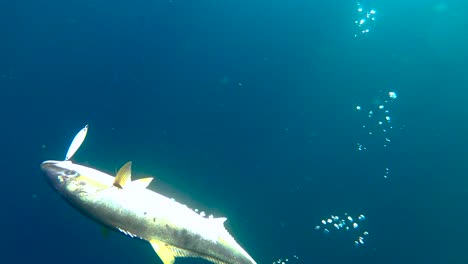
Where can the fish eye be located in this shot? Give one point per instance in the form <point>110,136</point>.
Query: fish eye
<point>70,173</point>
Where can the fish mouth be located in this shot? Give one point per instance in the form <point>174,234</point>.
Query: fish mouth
<point>50,167</point>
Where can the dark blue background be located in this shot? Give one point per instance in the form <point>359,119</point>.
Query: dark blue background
<point>245,109</point>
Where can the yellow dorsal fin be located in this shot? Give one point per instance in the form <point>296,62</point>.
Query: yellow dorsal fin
<point>142,183</point>
<point>163,251</point>
<point>124,175</point>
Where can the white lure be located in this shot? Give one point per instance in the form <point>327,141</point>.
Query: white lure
<point>76,143</point>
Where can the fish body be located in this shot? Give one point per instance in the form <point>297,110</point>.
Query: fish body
<point>173,229</point>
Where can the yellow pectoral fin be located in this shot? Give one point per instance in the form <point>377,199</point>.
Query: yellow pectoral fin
<point>164,252</point>
<point>168,253</point>
<point>124,175</point>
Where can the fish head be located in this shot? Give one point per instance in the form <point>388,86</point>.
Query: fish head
<point>58,173</point>
<point>68,177</point>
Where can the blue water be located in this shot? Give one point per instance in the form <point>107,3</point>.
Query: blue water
<point>245,109</point>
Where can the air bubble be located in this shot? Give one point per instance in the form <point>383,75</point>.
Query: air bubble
<point>347,224</point>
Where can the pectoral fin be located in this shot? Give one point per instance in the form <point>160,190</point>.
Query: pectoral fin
<point>168,253</point>
<point>124,175</point>
<point>164,252</point>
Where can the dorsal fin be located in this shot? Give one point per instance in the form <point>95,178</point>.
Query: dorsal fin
<point>142,183</point>
<point>124,175</point>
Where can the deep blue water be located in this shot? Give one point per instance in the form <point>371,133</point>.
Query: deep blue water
<point>245,109</point>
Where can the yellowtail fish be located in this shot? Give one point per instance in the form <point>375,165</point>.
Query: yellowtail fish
<point>127,205</point>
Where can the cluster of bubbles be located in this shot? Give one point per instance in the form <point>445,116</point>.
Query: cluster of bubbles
<point>365,20</point>
<point>346,223</point>
<point>377,123</point>
<point>291,260</point>
<point>378,120</point>
<point>387,171</point>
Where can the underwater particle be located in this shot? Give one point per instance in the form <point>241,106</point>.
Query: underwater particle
<point>326,231</point>
<point>202,213</point>
<point>381,106</point>
<point>365,233</point>
<point>380,122</point>
<point>350,219</point>
<point>372,12</point>
<point>392,95</point>
<point>361,217</point>
<point>355,225</point>
<point>362,21</point>
<point>336,226</point>
<point>324,222</point>
<point>356,243</point>
<point>387,118</point>
<point>317,227</point>
<point>358,108</point>
<point>329,221</point>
